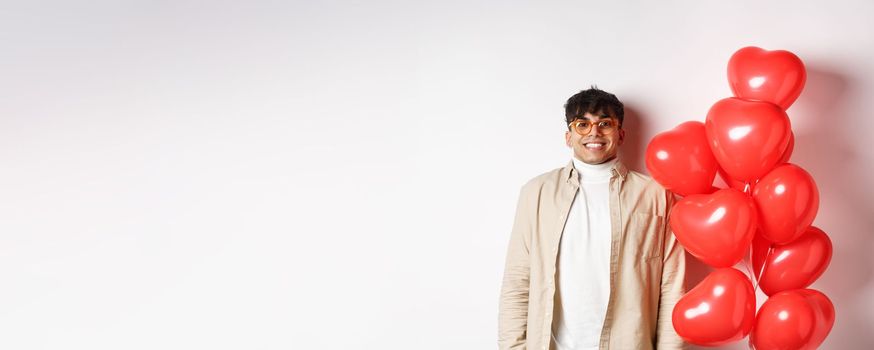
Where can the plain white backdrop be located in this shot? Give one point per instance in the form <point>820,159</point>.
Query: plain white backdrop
<point>343,174</point>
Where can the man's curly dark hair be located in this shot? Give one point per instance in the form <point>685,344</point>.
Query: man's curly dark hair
<point>594,101</point>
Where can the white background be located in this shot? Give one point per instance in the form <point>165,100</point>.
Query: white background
<point>343,175</point>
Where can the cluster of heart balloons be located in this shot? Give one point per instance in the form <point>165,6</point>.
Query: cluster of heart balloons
<point>767,209</point>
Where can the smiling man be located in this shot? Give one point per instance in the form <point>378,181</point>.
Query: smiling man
<point>592,263</point>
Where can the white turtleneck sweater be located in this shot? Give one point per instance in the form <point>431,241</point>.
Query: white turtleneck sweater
<point>583,271</point>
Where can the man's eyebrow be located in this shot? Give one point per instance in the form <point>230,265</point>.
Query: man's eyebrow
<point>597,116</point>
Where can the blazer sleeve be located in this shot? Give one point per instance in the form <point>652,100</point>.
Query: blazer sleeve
<point>513,309</point>
<point>672,286</point>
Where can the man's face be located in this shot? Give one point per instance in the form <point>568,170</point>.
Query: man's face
<point>596,146</point>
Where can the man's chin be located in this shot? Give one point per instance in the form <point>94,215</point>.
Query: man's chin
<point>592,160</point>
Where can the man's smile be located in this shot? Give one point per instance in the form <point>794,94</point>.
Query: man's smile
<point>594,145</point>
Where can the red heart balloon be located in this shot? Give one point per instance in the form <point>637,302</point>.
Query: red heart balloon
<point>798,264</point>
<point>715,228</point>
<point>731,183</point>
<point>796,319</point>
<point>681,161</point>
<point>772,76</point>
<point>788,200</point>
<point>747,138</point>
<point>740,185</point>
<point>719,310</point>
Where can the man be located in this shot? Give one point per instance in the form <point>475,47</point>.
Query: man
<point>592,263</point>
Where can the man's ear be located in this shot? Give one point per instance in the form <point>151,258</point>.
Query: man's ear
<point>567,138</point>
<point>621,136</point>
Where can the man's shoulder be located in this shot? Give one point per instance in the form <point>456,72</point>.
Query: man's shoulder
<point>644,185</point>
<point>549,178</point>
<point>643,179</point>
<point>643,182</point>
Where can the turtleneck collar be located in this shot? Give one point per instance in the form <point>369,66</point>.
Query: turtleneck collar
<point>597,172</point>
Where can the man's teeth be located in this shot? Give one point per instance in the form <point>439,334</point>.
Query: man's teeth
<point>594,145</point>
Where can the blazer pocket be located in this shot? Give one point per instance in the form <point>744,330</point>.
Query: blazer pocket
<point>648,229</point>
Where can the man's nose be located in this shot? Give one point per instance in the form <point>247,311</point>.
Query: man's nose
<point>594,131</point>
